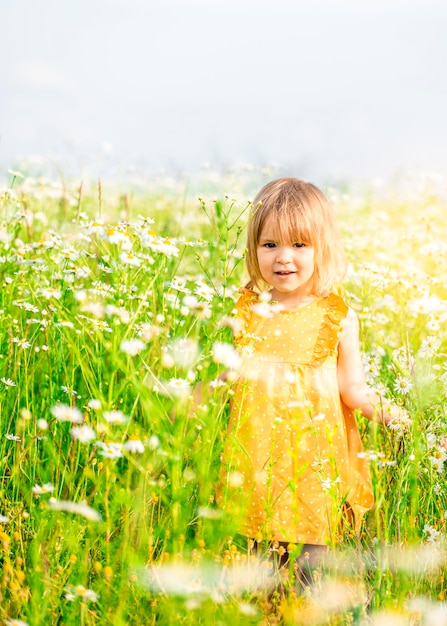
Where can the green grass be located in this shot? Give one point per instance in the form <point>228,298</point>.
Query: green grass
<point>121,527</point>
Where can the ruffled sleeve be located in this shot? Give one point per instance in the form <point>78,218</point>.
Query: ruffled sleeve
<point>327,340</point>
<point>242,313</point>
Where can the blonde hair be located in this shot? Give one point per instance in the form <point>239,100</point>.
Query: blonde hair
<point>300,213</point>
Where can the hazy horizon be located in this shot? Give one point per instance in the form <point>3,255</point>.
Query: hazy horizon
<point>320,90</point>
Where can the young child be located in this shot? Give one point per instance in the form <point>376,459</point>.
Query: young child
<point>291,466</point>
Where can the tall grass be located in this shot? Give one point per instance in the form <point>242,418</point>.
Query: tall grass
<point>111,307</point>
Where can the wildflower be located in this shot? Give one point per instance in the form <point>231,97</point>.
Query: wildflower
<point>115,417</point>
<point>82,271</point>
<point>190,303</point>
<point>22,343</point>
<point>265,296</point>
<point>235,479</point>
<point>16,174</point>
<point>25,413</point>
<point>95,308</point>
<point>402,385</point>
<point>101,325</point>
<point>68,391</point>
<point>94,404</point>
<point>42,424</point>
<point>425,305</point>
<point>203,290</point>
<point>369,455</point>
<point>385,463</point>
<point>86,595</point>
<point>71,253</point>
<point>326,484</point>
<point>153,442</point>
<point>63,324</point>
<point>218,382</point>
<point>371,365</point>
<point>110,450</point>
<point>15,622</point>
<point>148,331</point>
<point>179,386</point>
<point>207,512</point>
<point>129,259</point>
<point>163,245</point>
<point>319,417</point>
<point>134,445</point>
<point>27,306</point>
<point>50,292</point>
<point>236,324</point>
<point>96,226</point>
<point>117,236</point>
<point>167,360</point>
<point>8,382</point>
<point>12,437</point>
<point>132,347</point>
<point>247,609</point>
<point>105,268</point>
<point>433,535</point>
<point>101,289</point>
<point>184,352</point>
<point>179,284</point>
<point>401,422</point>
<point>380,319</point>
<point>438,459</point>
<point>429,346</point>
<point>74,507</point>
<point>39,490</point>
<point>65,413</point>
<point>404,357</point>
<point>83,433</point>
<point>229,196</point>
<point>226,354</point>
<point>4,519</point>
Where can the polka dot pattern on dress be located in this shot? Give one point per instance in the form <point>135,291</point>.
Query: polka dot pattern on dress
<point>288,430</point>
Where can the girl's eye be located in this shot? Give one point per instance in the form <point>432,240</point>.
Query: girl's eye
<point>269,244</point>
<point>299,245</point>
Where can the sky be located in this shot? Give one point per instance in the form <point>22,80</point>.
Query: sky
<point>352,88</point>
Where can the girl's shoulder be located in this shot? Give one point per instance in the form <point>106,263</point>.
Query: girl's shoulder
<point>337,303</point>
<point>336,312</point>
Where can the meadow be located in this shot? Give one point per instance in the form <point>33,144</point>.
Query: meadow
<point>114,305</point>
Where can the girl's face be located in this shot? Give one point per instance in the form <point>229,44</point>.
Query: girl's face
<point>286,266</point>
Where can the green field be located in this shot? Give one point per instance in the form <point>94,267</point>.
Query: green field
<point>111,304</point>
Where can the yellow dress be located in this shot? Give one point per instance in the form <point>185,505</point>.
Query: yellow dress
<point>291,463</point>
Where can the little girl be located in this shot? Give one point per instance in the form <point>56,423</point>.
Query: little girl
<point>291,466</point>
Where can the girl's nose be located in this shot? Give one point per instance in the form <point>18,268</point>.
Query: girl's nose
<point>283,254</point>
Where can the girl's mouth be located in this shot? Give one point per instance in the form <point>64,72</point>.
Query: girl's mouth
<point>284,273</point>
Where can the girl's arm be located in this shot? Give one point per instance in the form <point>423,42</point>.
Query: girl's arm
<point>354,391</point>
